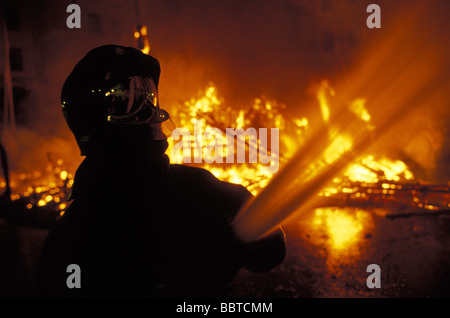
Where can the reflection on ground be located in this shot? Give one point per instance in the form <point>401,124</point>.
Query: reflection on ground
<point>330,248</point>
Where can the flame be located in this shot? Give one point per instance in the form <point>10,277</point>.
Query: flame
<point>146,48</point>
<point>338,146</point>
<point>358,107</point>
<point>140,36</point>
<point>210,110</point>
<point>43,189</point>
<point>369,170</point>
<point>324,90</point>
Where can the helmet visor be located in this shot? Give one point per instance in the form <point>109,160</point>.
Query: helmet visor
<point>163,130</point>
<point>134,102</point>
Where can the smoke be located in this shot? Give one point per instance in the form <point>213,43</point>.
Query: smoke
<point>50,51</point>
<point>410,52</point>
<point>403,76</point>
<point>248,49</point>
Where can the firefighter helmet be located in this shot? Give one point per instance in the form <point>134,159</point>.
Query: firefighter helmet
<point>110,91</point>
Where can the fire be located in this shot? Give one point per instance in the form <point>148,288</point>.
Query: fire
<point>368,179</point>
<point>323,91</point>
<point>357,107</point>
<point>337,147</point>
<point>366,170</point>
<point>140,35</point>
<point>370,170</point>
<point>46,189</point>
<point>209,111</point>
<point>365,181</point>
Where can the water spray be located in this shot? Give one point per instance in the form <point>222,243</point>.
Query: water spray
<point>294,189</point>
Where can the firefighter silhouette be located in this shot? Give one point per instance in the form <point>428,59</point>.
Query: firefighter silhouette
<point>138,225</point>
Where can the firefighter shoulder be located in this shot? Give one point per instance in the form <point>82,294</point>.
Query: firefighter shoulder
<point>224,198</point>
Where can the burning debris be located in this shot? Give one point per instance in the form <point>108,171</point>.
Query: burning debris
<point>39,197</point>
<point>210,111</point>
<point>52,193</point>
<point>385,183</point>
<point>368,181</point>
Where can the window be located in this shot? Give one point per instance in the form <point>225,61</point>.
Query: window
<point>12,17</point>
<point>19,96</point>
<point>94,23</point>
<point>328,42</point>
<point>15,58</point>
<point>352,40</point>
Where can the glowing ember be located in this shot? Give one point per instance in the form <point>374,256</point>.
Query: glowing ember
<point>325,90</point>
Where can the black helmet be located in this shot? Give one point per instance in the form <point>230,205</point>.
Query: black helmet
<point>112,90</point>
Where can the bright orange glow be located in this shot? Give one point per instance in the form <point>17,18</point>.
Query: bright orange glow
<point>63,175</point>
<point>393,170</point>
<point>141,39</point>
<point>369,170</point>
<point>337,147</point>
<point>358,107</point>
<point>324,90</point>
<point>146,48</point>
<point>343,228</point>
<point>357,172</point>
<point>253,176</point>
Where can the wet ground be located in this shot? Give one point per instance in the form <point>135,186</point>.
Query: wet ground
<point>20,248</point>
<point>330,249</point>
<point>327,256</point>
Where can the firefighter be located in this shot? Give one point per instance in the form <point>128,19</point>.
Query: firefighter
<point>138,225</point>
